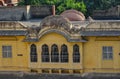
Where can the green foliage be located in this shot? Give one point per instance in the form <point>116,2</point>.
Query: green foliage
<point>30,2</point>
<point>49,2</point>
<point>22,2</point>
<point>71,4</point>
<point>85,6</point>
<point>34,2</point>
<point>61,5</point>
<point>100,5</point>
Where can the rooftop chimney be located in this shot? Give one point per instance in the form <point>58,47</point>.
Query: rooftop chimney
<point>53,9</point>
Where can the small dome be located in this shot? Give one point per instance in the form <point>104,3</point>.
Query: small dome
<point>73,15</point>
<point>55,21</point>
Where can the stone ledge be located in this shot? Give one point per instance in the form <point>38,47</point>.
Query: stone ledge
<point>22,75</point>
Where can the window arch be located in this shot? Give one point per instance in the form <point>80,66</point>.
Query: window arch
<point>76,54</point>
<point>64,53</point>
<point>33,53</point>
<point>45,53</point>
<point>54,53</point>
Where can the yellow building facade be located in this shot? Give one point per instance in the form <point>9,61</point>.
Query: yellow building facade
<point>58,45</point>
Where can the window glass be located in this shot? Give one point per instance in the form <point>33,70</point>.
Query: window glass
<point>76,54</point>
<point>107,52</point>
<point>45,53</point>
<point>54,53</point>
<point>64,53</point>
<point>6,51</point>
<point>33,53</point>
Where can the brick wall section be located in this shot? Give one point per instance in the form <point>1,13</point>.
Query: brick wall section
<point>13,13</point>
<point>113,12</point>
<point>17,13</point>
<point>40,11</point>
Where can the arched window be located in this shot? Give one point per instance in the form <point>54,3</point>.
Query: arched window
<point>64,53</point>
<point>33,53</point>
<point>76,54</point>
<point>54,53</point>
<point>45,53</point>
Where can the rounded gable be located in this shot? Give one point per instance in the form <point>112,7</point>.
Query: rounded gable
<point>65,34</point>
<point>55,21</point>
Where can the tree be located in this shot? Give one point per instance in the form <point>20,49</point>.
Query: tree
<point>92,5</point>
<point>61,5</point>
<point>29,2</point>
<point>71,4</point>
<point>85,6</point>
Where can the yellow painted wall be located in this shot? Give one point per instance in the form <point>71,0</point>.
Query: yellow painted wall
<point>92,55</point>
<point>90,52</point>
<point>16,63</point>
<point>54,38</point>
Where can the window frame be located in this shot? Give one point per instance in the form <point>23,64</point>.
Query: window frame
<point>76,54</point>
<point>45,53</point>
<point>5,52</point>
<point>33,53</point>
<point>64,56</point>
<point>107,53</point>
<point>54,53</point>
